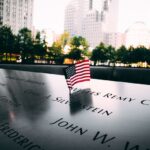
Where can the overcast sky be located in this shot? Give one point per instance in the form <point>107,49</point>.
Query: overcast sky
<point>131,11</point>
<point>50,13</point>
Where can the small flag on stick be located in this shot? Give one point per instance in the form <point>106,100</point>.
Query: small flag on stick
<point>79,72</point>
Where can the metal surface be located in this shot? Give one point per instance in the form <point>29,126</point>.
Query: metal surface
<point>38,113</point>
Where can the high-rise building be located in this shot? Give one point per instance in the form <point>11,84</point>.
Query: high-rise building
<point>17,14</point>
<point>1,11</point>
<point>110,23</point>
<point>91,19</point>
<point>110,11</point>
<point>91,28</point>
<point>74,15</point>
<point>114,39</point>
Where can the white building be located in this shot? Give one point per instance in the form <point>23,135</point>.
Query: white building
<point>91,28</point>
<point>82,18</point>
<point>91,19</point>
<point>74,15</point>
<point>110,24</point>
<point>110,11</point>
<point>18,14</point>
<point>114,39</point>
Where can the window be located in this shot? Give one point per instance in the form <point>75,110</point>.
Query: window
<point>90,4</point>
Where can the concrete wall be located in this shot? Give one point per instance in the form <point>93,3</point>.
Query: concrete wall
<point>133,75</point>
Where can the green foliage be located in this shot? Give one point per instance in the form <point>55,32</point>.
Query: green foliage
<point>133,55</point>
<point>75,54</point>
<point>79,48</point>
<point>7,40</point>
<point>140,54</point>
<point>79,42</point>
<point>55,53</point>
<point>64,39</point>
<point>39,46</point>
<point>99,54</point>
<point>25,45</point>
<point>122,54</point>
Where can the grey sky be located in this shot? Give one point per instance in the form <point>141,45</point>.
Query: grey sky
<point>50,13</point>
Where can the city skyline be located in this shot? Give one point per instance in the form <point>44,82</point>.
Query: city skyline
<point>16,14</point>
<point>50,14</point>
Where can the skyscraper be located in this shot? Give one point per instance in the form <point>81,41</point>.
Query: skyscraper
<point>90,19</point>
<point>1,11</point>
<point>110,22</point>
<point>17,14</point>
<point>91,28</point>
<point>74,14</point>
<point>110,11</point>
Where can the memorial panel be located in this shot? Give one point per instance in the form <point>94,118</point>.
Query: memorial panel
<point>38,113</point>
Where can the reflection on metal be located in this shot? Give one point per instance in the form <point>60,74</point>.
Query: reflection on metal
<point>108,115</point>
<point>80,99</point>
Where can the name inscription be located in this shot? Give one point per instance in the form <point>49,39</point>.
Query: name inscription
<point>111,96</point>
<point>100,111</point>
<point>98,136</point>
<point>19,138</point>
<point>2,84</point>
<point>25,80</point>
<point>9,101</point>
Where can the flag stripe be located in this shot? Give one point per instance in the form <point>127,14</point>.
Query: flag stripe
<point>83,67</point>
<point>83,64</point>
<point>80,62</point>
<point>73,80</point>
<point>83,70</point>
<point>80,72</point>
<point>81,80</point>
<point>77,81</point>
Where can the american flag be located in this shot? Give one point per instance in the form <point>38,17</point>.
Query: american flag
<point>79,72</point>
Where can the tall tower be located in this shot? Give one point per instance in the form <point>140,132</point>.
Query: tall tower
<point>18,14</point>
<point>1,11</point>
<point>82,18</point>
<point>91,28</point>
<point>110,11</point>
<point>92,19</point>
<point>74,14</point>
<point>110,22</point>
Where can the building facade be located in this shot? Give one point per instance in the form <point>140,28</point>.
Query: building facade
<point>91,28</point>
<point>82,18</point>
<point>17,14</point>
<point>110,24</point>
<point>114,39</point>
<point>91,19</point>
<point>1,11</point>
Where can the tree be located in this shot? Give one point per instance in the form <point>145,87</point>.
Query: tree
<point>55,52</point>
<point>139,54</point>
<point>40,46</point>
<point>79,48</point>
<point>64,39</point>
<point>6,41</point>
<point>110,54</point>
<point>75,54</point>
<point>99,54</point>
<point>148,56</point>
<point>122,54</point>
<point>25,42</point>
